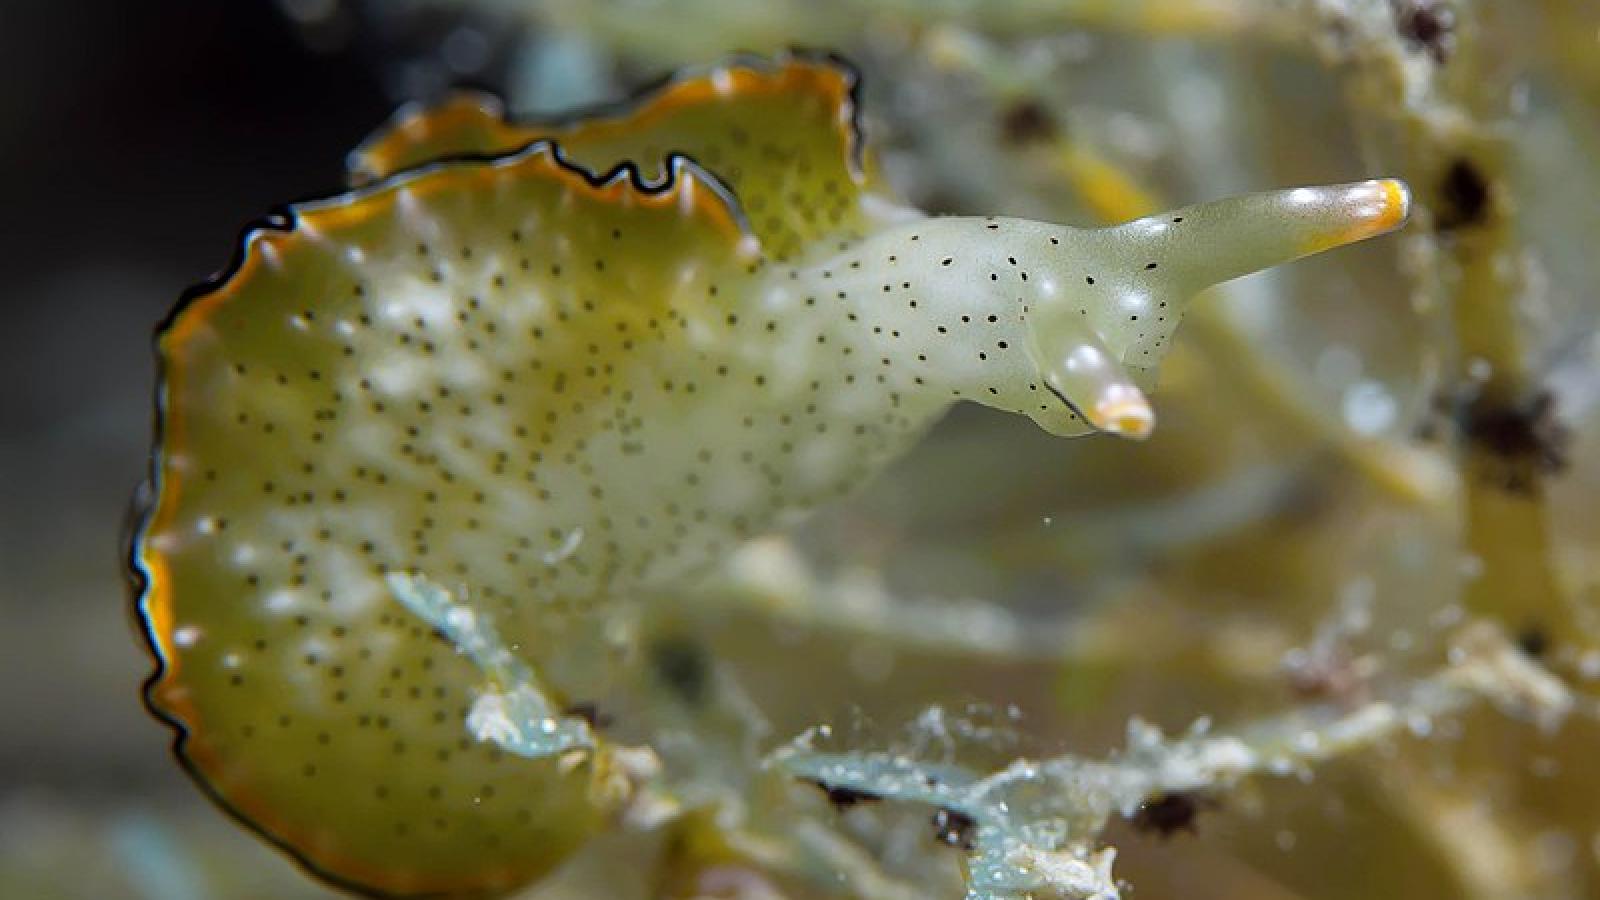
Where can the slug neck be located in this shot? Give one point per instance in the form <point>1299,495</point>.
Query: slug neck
<point>942,306</point>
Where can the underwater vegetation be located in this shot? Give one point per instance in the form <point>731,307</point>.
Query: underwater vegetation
<point>599,488</point>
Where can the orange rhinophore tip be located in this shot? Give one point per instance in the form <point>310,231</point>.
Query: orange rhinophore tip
<point>1396,206</point>
<point>1356,212</point>
<point>524,376</point>
<point>1124,412</point>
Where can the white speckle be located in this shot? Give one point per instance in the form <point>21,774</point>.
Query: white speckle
<point>205,525</point>
<point>355,255</point>
<point>1151,226</point>
<point>686,188</point>
<point>1084,358</point>
<point>186,635</point>
<point>280,601</point>
<point>461,619</point>
<point>749,247</point>
<point>163,543</point>
<point>298,321</point>
<point>722,81</point>
<point>1304,196</point>
<point>244,555</point>
<point>569,545</point>
<point>1134,301</point>
<point>231,661</point>
<point>407,200</point>
<point>1369,408</point>
<point>396,374</point>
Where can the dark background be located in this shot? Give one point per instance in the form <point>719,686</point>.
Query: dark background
<point>136,139</point>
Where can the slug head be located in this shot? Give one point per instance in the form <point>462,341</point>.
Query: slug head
<point>1104,318</point>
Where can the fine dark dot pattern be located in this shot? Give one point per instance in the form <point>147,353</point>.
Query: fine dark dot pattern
<point>550,392</point>
<point>456,383</point>
<point>772,134</point>
<point>409,426</point>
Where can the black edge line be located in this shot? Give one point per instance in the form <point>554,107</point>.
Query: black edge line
<point>1074,407</point>
<point>616,110</point>
<point>139,580</point>
<point>285,220</point>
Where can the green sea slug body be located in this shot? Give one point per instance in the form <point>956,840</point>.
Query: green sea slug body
<point>556,368</point>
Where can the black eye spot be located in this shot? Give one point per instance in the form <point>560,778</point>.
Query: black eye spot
<point>1149,265</point>
<point>1089,279</point>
